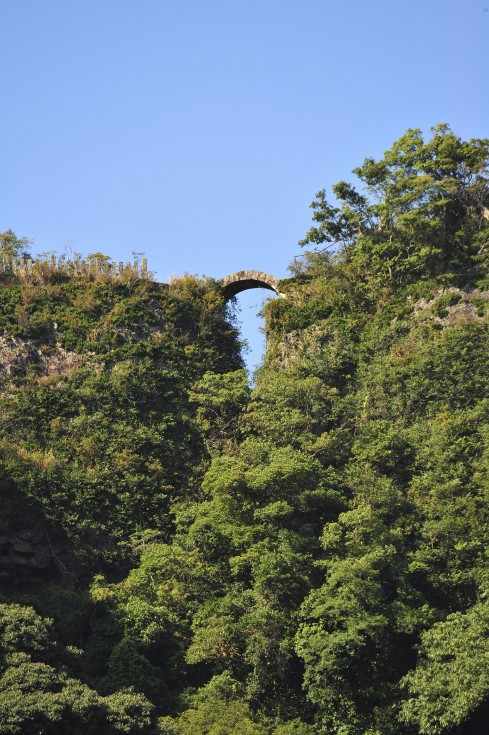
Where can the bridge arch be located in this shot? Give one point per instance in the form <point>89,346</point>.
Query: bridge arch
<point>244,280</point>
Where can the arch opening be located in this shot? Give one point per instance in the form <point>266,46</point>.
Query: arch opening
<point>250,322</point>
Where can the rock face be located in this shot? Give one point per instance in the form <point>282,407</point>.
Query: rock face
<point>452,307</point>
<point>25,549</point>
<point>31,552</point>
<point>17,356</point>
<point>244,280</point>
<point>28,554</point>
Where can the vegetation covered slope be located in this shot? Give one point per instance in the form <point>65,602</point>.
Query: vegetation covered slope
<point>310,558</point>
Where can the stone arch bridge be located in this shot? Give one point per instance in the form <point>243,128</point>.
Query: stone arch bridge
<point>244,280</point>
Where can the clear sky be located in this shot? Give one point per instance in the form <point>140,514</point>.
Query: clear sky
<point>200,131</point>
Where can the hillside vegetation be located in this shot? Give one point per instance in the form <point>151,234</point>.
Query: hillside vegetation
<point>184,555</point>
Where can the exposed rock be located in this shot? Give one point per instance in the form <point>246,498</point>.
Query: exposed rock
<point>465,309</point>
<point>17,356</point>
<point>290,348</point>
<point>27,553</point>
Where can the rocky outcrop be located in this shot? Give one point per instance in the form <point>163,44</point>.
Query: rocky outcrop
<point>453,306</point>
<point>29,554</point>
<point>17,356</point>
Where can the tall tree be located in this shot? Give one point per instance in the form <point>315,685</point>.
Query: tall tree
<point>422,210</point>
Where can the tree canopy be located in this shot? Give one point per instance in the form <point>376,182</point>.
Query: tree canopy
<point>10,244</point>
<point>422,209</point>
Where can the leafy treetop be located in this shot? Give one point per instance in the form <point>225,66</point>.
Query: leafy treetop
<point>10,244</point>
<point>423,211</point>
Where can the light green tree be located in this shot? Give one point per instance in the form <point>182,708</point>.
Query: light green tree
<point>10,244</point>
<point>451,679</point>
<point>422,209</point>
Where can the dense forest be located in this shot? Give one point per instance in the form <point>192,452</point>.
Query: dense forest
<point>183,554</point>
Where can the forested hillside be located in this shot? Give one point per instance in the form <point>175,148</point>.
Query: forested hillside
<point>185,555</point>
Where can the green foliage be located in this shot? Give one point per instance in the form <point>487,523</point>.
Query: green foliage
<point>422,212</point>
<point>105,439</point>
<point>452,677</point>
<point>39,696</point>
<point>214,718</point>
<point>12,245</point>
<point>221,399</point>
<point>309,556</point>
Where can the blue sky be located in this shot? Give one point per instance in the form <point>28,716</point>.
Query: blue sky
<point>200,131</point>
